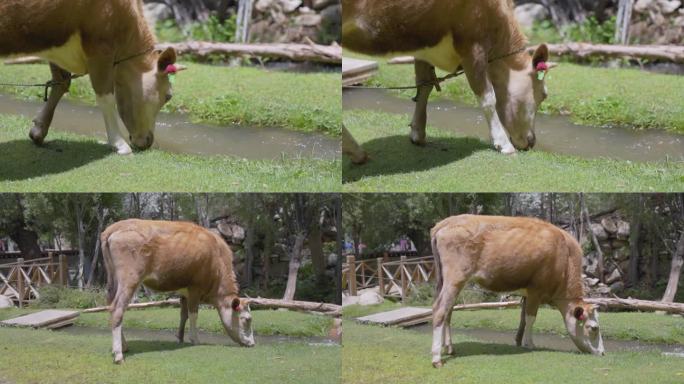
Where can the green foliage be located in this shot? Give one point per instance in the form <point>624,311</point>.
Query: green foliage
<point>214,30</point>
<point>592,31</point>
<point>422,295</point>
<point>310,288</point>
<point>55,296</point>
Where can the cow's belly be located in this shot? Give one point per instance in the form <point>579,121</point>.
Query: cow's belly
<point>443,55</point>
<point>69,56</point>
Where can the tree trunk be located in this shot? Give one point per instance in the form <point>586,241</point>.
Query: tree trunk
<point>244,17</point>
<point>675,271</point>
<point>634,245</point>
<point>102,214</point>
<point>594,240</point>
<point>316,248</point>
<point>249,254</point>
<point>80,229</point>
<point>295,263</point>
<point>624,19</point>
<point>340,246</point>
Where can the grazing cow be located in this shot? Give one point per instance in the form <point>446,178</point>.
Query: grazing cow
<point>504,254</point>
<point>109,40</point>
<point>173,256</point>
<point>482,37</point>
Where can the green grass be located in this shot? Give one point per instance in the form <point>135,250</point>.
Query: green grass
<point>647,327</point>
<point>452,163</point>
<point>589,95</point>
<point>225,95</point>
<point>73,163</point>
<point>265,322</point>
<point>389,355</point>
<point>38,356</point>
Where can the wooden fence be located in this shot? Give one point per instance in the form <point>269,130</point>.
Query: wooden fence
<point>20,280</point>
<point>393,278</point>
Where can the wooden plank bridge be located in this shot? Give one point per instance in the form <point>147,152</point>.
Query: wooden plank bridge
<point>20,280</point>
<point>392,277</point>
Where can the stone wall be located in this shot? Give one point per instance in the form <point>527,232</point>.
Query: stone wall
<point>612,233</point>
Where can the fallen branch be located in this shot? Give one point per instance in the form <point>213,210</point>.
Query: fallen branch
<point>666,53</point>
<point>25,60</point>
<point>324,308</point>
<point>329,54</point>
<point>639,305</point>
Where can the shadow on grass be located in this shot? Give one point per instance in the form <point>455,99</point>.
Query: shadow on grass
<point>396,155</point>
<point>22,160</point>
<point>478,348</point>
<point>136,347</point>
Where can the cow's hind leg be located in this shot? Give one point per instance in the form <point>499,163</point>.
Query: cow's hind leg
<point>183,319</point>
<point>123,296</point>
<point>425,77</point>
<point>531,307</point>
<point>521,327</point>
<point>41,124</point>
<point>441,315</point>
<point>193,309</point>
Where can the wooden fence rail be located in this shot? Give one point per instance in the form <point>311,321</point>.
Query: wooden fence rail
<point>19,281</point>
<point>393,278</point>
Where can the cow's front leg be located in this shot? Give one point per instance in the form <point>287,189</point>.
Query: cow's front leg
<point>102,77</point>
<point>425,80</point>
<point>61,80</point>
<point>352,148</point>
<point>475,66</point>
<point>531,307</point>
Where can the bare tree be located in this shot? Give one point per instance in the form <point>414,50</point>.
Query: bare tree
<point>594,240</point>
<point>675,271</point>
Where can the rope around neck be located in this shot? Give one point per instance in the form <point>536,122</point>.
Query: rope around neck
<point>51,83</point>
<point>438,80</point>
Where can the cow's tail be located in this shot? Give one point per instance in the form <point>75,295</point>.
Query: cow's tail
<point>112,284</point>
<point>438,264</point>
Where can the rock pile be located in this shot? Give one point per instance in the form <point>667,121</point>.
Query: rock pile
<point>295,21</point>
<point>658,22</point>
<point>612,234</point>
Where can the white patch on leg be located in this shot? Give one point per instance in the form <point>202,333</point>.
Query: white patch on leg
<point>527,336</point>
<point>107,104</point>
<point>193,328</point>
<point>497,132</point>
<point>116,344</point>
<point>437,340</point>
<point>447,339</point>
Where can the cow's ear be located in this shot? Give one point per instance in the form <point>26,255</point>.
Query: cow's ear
<point>166,58</point>
<point>541,55</point>
<point>235,304</point>
<point>579,313</point>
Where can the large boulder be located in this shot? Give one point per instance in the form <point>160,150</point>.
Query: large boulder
<point>370,298</point>
<point>528,14</point>
<point>599,231</point>
<point>5,302</point>
<point>609,225</point>
<point>156,12</point>
<point>349,300</point>
<point>614,276</point>
<point>622,230</point>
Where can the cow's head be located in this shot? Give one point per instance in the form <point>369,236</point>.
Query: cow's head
<point>237,320</point>
<point>142,87</point>
<point>520,86</point>
<point>581,320</point>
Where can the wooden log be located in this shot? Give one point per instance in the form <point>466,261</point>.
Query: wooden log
<point>328,54</point>
<point>638,305</point>
<point>665,53</point>
<point>25,60</point>
<point>325,308</point>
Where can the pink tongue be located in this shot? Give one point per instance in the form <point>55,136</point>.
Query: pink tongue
<point>542,66</point>
<point>171,69</point>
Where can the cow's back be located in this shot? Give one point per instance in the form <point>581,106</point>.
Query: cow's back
<point>511,253</point>
<point>380,27</point>
<point>29,26</point>
<point>169,255</point>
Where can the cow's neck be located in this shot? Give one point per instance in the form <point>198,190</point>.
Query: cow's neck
<point>136,40</point>
<point>505,40</point>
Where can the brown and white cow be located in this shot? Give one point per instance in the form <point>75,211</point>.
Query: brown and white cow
<point>505,254</point>
<point>173,256</point>
<point>482,37</point>
<point>109,40</point>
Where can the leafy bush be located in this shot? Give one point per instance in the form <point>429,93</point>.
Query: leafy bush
<point>55,296</point>
<point>211,30</point>
<point>593,31</point>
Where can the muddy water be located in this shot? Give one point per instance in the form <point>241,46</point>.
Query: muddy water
<point>174,133</point>
<point>204,337</point>
<point>557,342</point>
<point>554,134</point>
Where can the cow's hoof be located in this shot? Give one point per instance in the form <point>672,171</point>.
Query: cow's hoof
<point>37,136</point>
<point>450,350</point>
<point>118,359</point>
<point>417,138</point>
<point>360,159</point>
<point>437,364</point>
<point>507,150</point>
<point>123,149</point>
